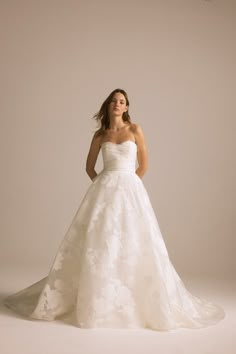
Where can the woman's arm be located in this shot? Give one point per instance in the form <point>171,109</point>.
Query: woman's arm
<point>92,155</point>
<point>142,151</point>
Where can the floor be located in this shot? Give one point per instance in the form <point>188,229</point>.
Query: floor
<point>19,335</point>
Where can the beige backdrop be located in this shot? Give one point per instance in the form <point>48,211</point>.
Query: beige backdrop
<point>60,60</point>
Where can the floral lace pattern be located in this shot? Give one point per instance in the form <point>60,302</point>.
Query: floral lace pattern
<point>112,268</point>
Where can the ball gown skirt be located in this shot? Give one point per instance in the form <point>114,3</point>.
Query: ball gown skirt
<point>112,268</point>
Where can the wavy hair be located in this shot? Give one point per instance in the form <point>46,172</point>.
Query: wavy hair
<point>102,116</point>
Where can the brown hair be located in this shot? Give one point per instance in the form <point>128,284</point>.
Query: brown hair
<point>102,115</point>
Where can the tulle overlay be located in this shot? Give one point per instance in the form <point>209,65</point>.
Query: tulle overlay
<point>112,269</point>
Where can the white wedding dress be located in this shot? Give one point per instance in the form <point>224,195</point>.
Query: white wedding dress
<point>112,269</point>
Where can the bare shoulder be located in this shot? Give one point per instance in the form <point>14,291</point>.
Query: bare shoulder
<point>97,137</point>
<point>136,130</point>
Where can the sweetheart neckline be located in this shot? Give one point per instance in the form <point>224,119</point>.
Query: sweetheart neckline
<point>110,142</point>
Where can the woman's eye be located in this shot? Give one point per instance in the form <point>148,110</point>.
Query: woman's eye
<point>115,101</point>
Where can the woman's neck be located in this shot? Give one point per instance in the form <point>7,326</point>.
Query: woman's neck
<point>117,123</point>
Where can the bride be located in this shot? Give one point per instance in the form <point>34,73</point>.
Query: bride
<point>112,269</point>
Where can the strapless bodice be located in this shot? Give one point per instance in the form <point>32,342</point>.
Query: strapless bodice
<point>119,157</point>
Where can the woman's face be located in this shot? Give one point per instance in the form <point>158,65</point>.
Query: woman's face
<point>117,105</point>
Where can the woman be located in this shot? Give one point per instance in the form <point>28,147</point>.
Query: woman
<point>112,269</point>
